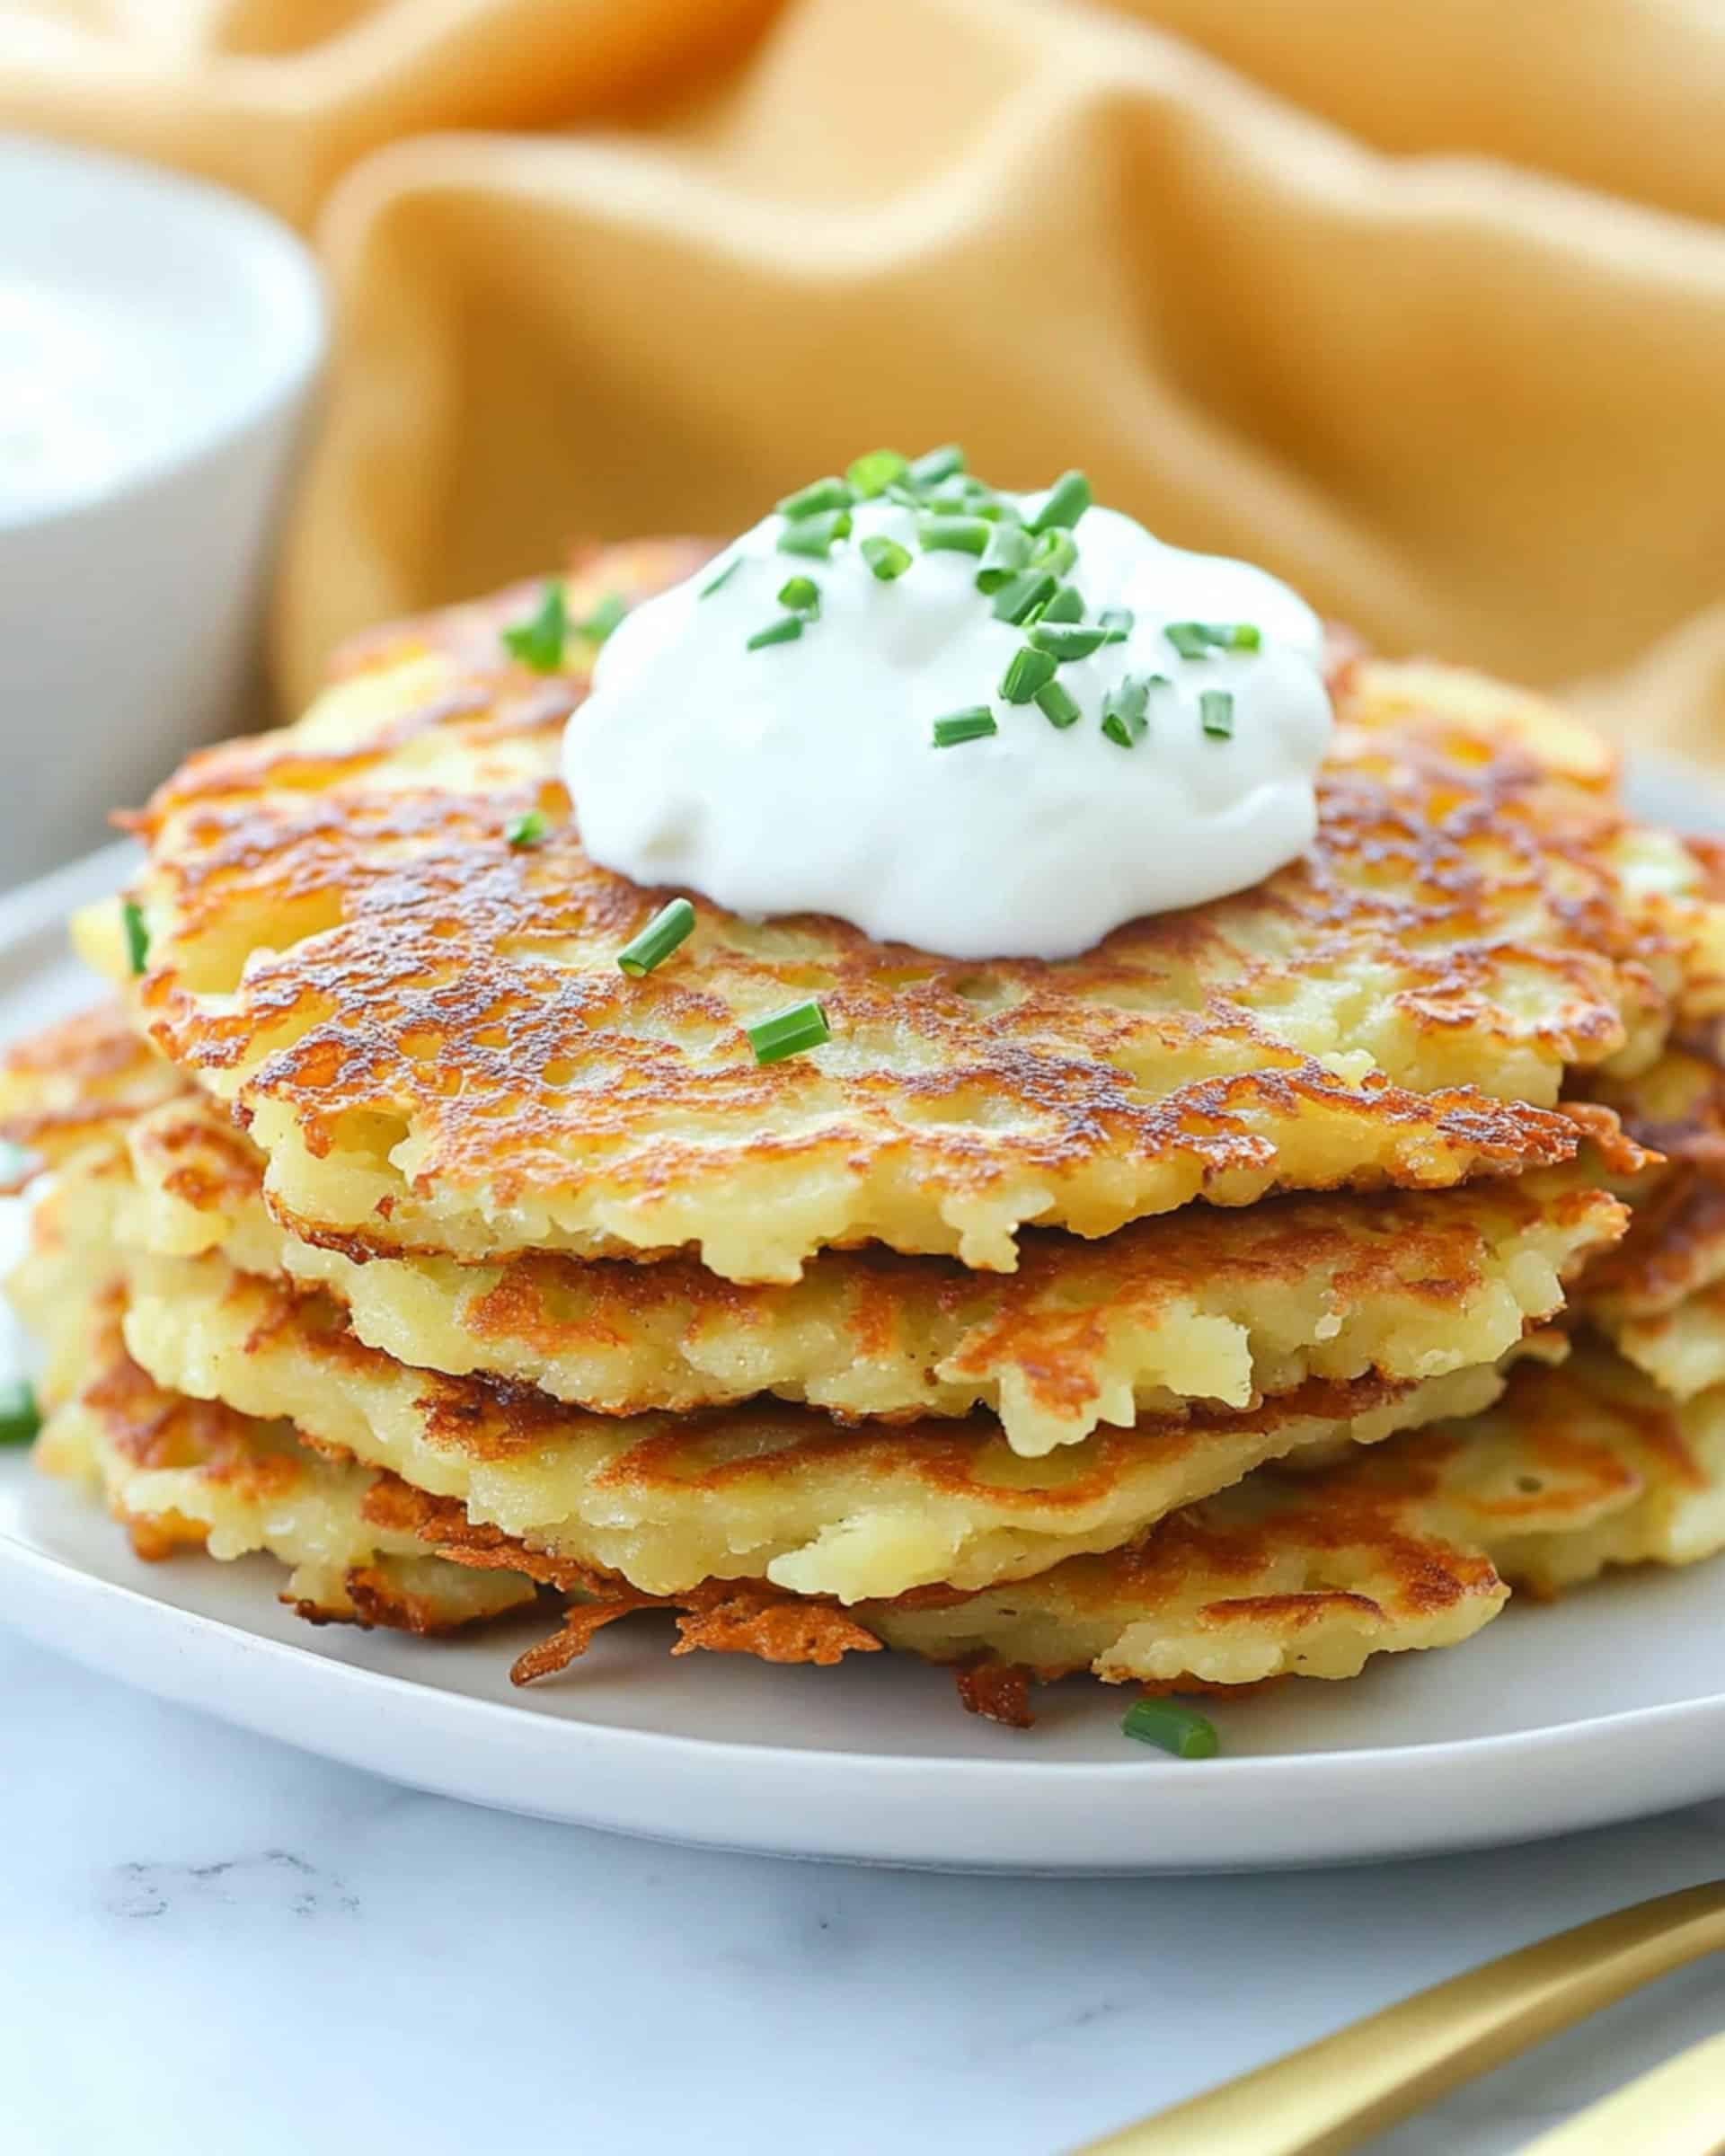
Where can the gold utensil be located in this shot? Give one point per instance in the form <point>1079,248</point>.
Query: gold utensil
<point>1333,2094</point>
<point>1676,2110</point>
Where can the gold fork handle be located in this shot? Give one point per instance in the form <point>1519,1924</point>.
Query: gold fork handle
<point>1333,2094</point>
<point>1676,2110</point>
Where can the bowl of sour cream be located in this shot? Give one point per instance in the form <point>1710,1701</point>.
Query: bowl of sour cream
<point>159,343</point>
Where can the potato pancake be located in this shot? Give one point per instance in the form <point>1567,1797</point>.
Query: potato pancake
<point>761,1489</point>
<point>1206,1304</point>
<point>427,1034</point>
<point>1408,1546</point>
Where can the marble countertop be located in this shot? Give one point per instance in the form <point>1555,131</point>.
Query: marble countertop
<point>210,1942</point>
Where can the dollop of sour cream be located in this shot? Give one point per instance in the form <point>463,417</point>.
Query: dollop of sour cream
<point>804,776</point>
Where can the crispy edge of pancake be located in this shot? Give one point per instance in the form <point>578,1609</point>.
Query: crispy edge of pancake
<point>187,1474</point>
<point>74,1083</point>
<point>1223,1307</point>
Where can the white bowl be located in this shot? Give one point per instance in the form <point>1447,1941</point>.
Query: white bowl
<point>159,342</point>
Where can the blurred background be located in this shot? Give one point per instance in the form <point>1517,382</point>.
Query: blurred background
<point>1421,305</point>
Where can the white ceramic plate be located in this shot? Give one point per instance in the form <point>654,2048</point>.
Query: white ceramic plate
<point>1608,1705</point>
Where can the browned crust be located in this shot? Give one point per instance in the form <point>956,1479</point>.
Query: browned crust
<point>431,983</point>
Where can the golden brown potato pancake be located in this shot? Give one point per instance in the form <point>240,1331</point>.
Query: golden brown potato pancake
<point>435,1049</point>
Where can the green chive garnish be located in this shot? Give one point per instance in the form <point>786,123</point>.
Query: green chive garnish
<point>667,928</point>
<point>872,475</point>
<point>940,463</point>
<point>952,534</point>
<point>539,642</point>
<point>137,936</point>
<point>1124,710</point>
<point>20,1416</point>
<point>1197,639</point>
<point>810,500</point>
<point>1068,498</point>
<point>1026,671</point>
<point>886,557</point>
<point>723,577</point>
<point>789,1032</point>
<point>1058,706</point>
<point>786,629</point>
<point>802,595</point>
<point>528,829</point>
<point>815,535</point>
<point>1025,595</point>
<point>603,618</point>
<point>1008,551</point>
<point>1173,1728</point>
<point>1067,605</point>
<point>1215,713</point>
<point>1117,620</point>
<point>972,724</point>
<point>1056,552</point>
<point>1066,640</point>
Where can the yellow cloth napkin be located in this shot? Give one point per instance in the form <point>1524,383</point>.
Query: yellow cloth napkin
<point>1421,303</point>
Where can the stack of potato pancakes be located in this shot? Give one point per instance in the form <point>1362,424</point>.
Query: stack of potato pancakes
<point>1268,1289</point>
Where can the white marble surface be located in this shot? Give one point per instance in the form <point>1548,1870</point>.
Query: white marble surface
<point>209,1943</point>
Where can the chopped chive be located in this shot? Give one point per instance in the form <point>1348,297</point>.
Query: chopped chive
<point>1215,713</point>
<point>872,475</point>
<point>14,1165</point>
<point>1188,638</point>
<point>1196,639</point>
<point>667,928</point>
<point>815,535</point>
<point>1008,551</point>
<point>1118,622</point>
<point>1057,552</point>
<point>1057,705</point>
<point>1025,595</point>
<point>603,618</point>
<point>20,1416</point>
<point>789,1032</point>
<point>811,500</point>
<point>904,494</point>
<point>802,595</point>
<point>1066,640</point>
<point>1124,710</point>
<point>886,557</point>
<point>1172,1727</point>
<point>1068,498</point>
<point>1026,671</point>
<point>940,464</point>
<point>972,724</point>
<point>137,936</point>
<point>723,577</point>
<point>786,629</point>
<point>539,642</point>
<point>1067,605</point>
<point>528,829</point>
<point>952,534</point>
